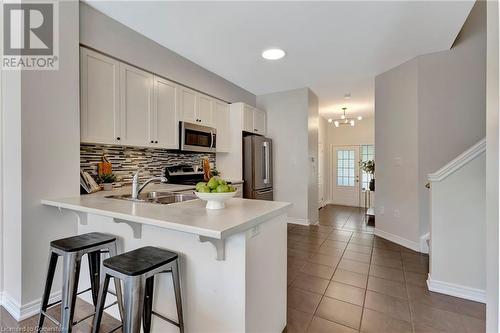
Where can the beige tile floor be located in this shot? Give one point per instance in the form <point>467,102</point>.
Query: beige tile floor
<point>341,278</point>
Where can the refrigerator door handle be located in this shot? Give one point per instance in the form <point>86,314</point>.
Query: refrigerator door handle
<point>266,162</point>
<point>264,192</point>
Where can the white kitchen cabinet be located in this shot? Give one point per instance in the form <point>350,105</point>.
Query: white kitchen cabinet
<point>205,110</point>
<point>165,122</point>
<point>241,119</point>
<point>247,118</point>
<point>254,120</point>
<point>259,121</point>
<point>121,104</point>
<point>136,106</point>
<point>221,122</point>
<point>188,107</point>
<point>196,108</point>
<point>100,104</point>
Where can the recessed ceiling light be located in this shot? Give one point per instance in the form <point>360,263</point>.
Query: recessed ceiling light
<point>360,118</point>
<point>330,120</point>
<point>273,54</point>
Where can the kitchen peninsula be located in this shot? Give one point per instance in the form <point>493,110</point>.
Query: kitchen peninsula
<point>233,261</point>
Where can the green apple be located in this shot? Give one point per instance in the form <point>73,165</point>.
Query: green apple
<point>222,189</point>
<point>213,183</point>
<point>203,189</point>
<point>200,184</point>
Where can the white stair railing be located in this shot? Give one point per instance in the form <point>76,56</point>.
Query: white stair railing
<point>457,264</point>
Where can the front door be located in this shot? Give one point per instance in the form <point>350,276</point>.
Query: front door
<point>345,180</point>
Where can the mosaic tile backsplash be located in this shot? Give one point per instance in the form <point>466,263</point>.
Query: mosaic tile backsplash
<point>127,160</point>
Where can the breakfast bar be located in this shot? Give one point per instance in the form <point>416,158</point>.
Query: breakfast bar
<point>232,260</point>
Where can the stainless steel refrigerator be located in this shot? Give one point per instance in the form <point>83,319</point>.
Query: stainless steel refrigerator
<point>257,167</point>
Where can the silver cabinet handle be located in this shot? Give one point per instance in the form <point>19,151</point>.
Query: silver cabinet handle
<point>264,192</point>
<point>266,159</point>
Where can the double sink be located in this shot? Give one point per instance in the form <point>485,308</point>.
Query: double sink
<point>156,197</point>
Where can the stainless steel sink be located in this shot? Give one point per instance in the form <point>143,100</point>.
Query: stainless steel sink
<point>163,198</point>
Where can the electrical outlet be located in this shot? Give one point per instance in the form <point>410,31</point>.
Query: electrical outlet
<point>397,213</point>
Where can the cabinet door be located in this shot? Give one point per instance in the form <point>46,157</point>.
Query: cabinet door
<point>100,77</point>
<point>165,121</point>
<point>136,109</point>
<point>248,118</point>
<point>188,105</point>
<point>205,112</point>
<point>259,122</point>
<point>221,120</point>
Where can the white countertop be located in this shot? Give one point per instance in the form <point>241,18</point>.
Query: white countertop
<point>189,216</point>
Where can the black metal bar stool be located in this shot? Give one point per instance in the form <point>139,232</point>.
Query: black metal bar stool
<point>137,270</point>
<point>72,249</point>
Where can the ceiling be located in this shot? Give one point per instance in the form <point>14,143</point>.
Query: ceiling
<point>332,47</point>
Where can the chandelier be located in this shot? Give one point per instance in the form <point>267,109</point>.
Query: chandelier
<point>344,120</point>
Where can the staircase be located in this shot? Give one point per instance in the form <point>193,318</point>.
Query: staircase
<point>457,242</point>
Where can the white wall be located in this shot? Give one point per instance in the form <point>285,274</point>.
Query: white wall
<point>492,169</point>
<point>361,134</point>
<point>312,145</point>
<point>396,141</point>
<point>443,116</point>
<point>40,148</point>
<point>104,34</point>
<point>288,116</point>
<point>458,232</point>
<point>323,169</point>
<point>452,99</point>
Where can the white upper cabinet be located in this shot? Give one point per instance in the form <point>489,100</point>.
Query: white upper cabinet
<point>121,104</point>
<point>195,107</point>
<point>248,118</point>
<point>259,121</point>
<point>100,77</point>
<point>254,120</point>
<point>204,113</point>
<point>221,120</point>
<point>188,105</point>
<point>136,106</point>
<point>165,122</point>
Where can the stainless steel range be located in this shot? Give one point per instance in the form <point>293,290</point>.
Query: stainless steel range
<point>184,174</point>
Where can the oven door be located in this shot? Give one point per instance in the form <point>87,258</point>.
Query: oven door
<point>197,138</point>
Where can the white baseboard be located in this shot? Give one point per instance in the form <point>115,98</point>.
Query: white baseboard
<point>294,220</point>
<point>424,248</point>
<point>21,312</point>
<point>398,240</point>
<point>456,290</point>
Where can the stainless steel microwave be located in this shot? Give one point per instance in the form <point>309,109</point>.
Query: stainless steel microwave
<point>197,138</point>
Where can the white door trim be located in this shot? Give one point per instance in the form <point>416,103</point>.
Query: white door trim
<point>333,174</point>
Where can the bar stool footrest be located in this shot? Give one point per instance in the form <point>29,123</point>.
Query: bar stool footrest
<point>162,317</point>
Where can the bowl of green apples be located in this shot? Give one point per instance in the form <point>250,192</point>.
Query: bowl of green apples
<point>215,192</point>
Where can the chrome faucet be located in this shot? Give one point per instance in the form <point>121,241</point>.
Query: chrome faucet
<point>137,189</point>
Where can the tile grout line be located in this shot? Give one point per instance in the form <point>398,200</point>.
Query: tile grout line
<point>407,295</point>
<point>366,286</point>
<point>334,270</point>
